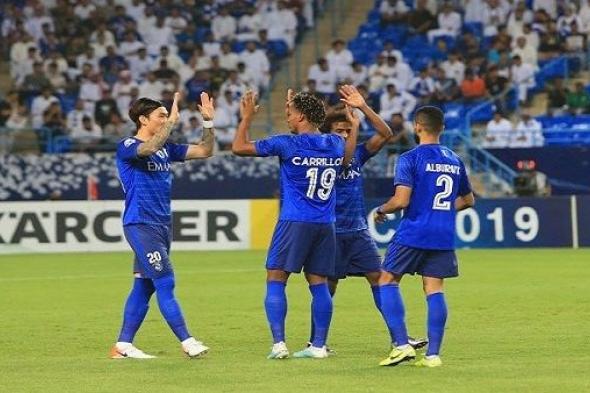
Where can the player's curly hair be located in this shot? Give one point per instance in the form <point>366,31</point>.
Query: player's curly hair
<point>311,107</point>
<point>143,107</point>
<point>335,115</point>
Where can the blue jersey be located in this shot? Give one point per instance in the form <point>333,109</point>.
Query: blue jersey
<point>350,203</point>
<point>309,164</point>
<point>147,181</point>
<point>437,177</point>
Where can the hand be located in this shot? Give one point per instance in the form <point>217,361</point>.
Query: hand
<point>379,217</point>
<point>206,108</point>
<point>174,115</point>
<point>248,107</point>
<point>351,96</point>
<point>352,117</point>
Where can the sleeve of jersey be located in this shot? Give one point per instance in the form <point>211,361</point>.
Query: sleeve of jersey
<point>403,172</point>
<point>177,152</point>
<point>272,146</point>
<point>464,185</point>
<point>127,150</point>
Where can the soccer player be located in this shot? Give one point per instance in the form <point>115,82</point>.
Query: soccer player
<point>143,162</point>
<point>430,186</point>
<point>356,251</point>
<point>304,237</point>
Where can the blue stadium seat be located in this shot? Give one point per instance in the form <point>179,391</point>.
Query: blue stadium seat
<point>476,28</point>
<point>279,48</point>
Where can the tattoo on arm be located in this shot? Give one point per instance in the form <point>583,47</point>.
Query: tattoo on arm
<point>157,141</point>
<point>208,138</point>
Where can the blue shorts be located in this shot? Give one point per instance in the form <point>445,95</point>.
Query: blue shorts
<point>401,260</point>
<point>356,255</point>
<point>302,245</point>
<point>151,245</point>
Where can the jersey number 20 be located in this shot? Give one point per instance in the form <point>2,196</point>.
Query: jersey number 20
<point>439,203</point>
<point>327,180</point>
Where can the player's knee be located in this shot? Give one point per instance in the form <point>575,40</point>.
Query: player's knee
<point>166,283</point>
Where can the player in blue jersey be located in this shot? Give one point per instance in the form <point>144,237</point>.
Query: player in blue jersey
<point>143,162</point>
<point>304,237</point>
<point>431,185</point>
<point>356,251</point>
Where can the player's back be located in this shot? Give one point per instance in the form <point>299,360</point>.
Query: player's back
<point>437,177</point>
<point>310,164</point>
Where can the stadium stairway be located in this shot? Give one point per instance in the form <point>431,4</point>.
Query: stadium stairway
<point>353,14</point>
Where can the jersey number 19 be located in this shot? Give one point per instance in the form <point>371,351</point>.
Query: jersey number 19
<point>326,183</point>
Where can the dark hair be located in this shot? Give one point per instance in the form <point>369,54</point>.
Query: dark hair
<point>431,117</point>
<point>311,107</point>
<point>336,115</point>
<point>143,107</point>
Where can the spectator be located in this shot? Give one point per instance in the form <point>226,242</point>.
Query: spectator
<point>578,101</point>
<point>449,24</point>
<point>223,25</point>
<point>122,91</point>
<point>217,75</point>
<point>423,87</point>
<point>528,133</point>
<point>339,58</point>
<point>393,12</point>
<point>140,65</point>
<point>403,137</point>
<point>249,25</point>
<point>87,136</point>
<point>526,52</point>
<point>56,78</point>
<point>324,76</point>
<point>445,88</point>
<point>196,85</point>
<point>257,63</point>
<point>176,21</point>
<point>556,98</point>
<point>399,73</point>
<point>105,108</point>
<point>75,116</point>
<point>473,88</point>
<point>40,104</point>
<point>358,74</point>
<point>497,86</point>
<point>421,19</point>
<point>551,44</point>
<point>454,67</point>
<point>228,59</point>
<point>389,50</point>
<point>281,24</point>
<point>151,87</point>
<point>523,76</point>
<point>498,132</point>
<point>392,101</point>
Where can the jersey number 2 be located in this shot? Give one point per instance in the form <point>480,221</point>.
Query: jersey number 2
<point>439,203</point>
<point>327,179</point>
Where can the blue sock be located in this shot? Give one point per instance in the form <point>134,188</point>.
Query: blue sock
<point>136,308</point>
<point>312,334</point>
<point>392,308</point>
<point>376,289</point>
<point>437,317</point>
<point>321,311</point>
<point>169,307</point>
<point>275,304</point>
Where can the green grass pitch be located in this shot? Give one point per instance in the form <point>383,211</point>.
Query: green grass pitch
<point>519,322</point>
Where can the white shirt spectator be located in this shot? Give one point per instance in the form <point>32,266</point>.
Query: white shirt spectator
<point>19,52</point>
<point>229,60</point>
<point>339,61</point>
<point>389,10</point>
<point>157,37</point>
<point>449,24</point>
<point>325,79</point>
<point>584,15</point>
<point>282,25</point>
<point>174,61</point>
<point>257,62</point>
<point>212,48</point>
<point>74,118</point>
<point>249,26</point>
<point>422,87</point>
<point>400,102</point>
<point>401,75</point>
<point>135,9</point>
<point>528,134</point>
<point>108,38</point>
<point>498,133</point>
<point>129,47</point>
<point>152,89</point>
<point>223,27</point>
<point>358,75</point>
<point>91,59</point>
<point>38,106</point>
<point>527,53</point>
<point>139,66</point>
<point>34,25</point>
<point>473,11</point>
<point>523,76</point>
<point>90,92</point>
<point>122,93</point>
<point>236,87</point>
<point>84,9</point>
<point>454,69</point>
<point>493,16</point>
<point>548,5</point>
<point>86,135</point>
<point>176,23</point>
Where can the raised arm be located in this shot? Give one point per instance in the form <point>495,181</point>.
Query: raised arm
<point>350,146</point>
<point>156,142</point>
<point>351,96</point>
<point>204,149</point>
<point>242,146</point>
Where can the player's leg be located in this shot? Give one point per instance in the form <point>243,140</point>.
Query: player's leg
<point>436,320</point>
<point>275,305</point>
<point>332,287</point>
<point>437,266</point>
<point>399,260</point>
<point>136,308</point>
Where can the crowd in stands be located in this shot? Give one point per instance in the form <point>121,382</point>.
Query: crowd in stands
<point>412,53</point>
<point>76,65</point>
